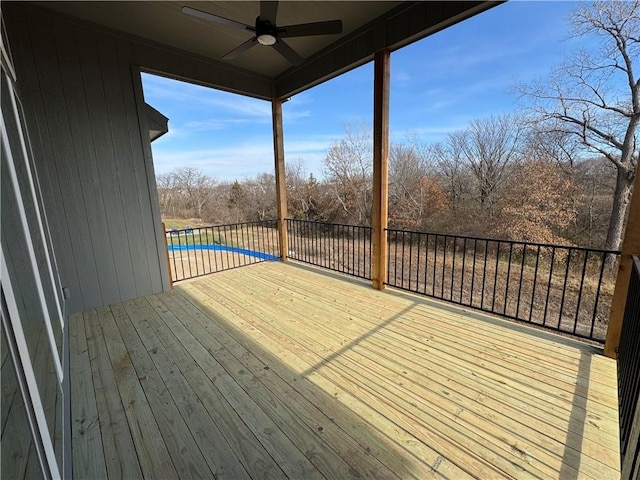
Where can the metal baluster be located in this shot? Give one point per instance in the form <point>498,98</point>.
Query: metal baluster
<point>484,272</point>
<point>546,303</point>
<point>584,269</point>
<point>524,253</point>
<point>506,291</point>
<point>564,289</point>
<point>535,283</point>
<point>473,269</point>
<point>435,261</point>
<point>444,264</point>
<point>495,278</point>
<point>595,305</point>
<point>426,263</point>
<point>464,258</point>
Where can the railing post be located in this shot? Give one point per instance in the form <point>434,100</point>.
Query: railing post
<point>281,184</point>
<point>166,251</point>
<point>630,246</point>
<point>380,165</point>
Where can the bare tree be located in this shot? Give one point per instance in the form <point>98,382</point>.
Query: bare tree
<point>167,192</point>
<point>597,180</point>
<point>348,167</point>
<point>551,146</point>
<point>184,191</point>
<point>299,202</point>
<point>406,170</point>
<point>448,160</point>
<point>595,96</point>
<point>261,197</point>
<point>195,186</point>
<point>488,147</point>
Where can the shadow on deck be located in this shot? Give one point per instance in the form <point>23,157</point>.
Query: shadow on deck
<point>284,371</point>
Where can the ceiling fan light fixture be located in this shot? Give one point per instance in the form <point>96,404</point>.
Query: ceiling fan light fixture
<point>266,39</point>
<point>266,32</point>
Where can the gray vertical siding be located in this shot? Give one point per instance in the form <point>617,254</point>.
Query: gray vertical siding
<point>143,177</point>
<point>83,100</point>
<point>92,156</point>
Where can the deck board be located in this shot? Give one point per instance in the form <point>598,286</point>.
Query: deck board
<point>432,411</point>
<point>281,371</point>
<point>150,444</point>
<point>88,456</point>
<point>276,408</point>
<point>311,415</point>
<point>206,433</point>
<point>234,432</point>
<point>119,452</point>
<point>163,399</point>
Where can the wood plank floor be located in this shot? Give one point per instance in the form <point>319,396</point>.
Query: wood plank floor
<point>282,371</point>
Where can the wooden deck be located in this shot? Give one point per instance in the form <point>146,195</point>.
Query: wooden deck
<point>281,371</point>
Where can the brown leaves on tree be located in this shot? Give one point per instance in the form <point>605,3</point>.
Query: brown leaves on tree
<point>538,202</point>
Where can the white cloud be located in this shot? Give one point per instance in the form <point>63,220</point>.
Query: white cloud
<point>225,104</point>
<point>400,78</point>
<point>429,133</point>
<point>440,104</point>
<point>188,93</point>
<point>247,159</point>
<point>213,124</point>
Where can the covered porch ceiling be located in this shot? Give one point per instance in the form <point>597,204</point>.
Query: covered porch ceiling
<point>367,27</point>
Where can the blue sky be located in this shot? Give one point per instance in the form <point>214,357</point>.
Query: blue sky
<point>438,85</point>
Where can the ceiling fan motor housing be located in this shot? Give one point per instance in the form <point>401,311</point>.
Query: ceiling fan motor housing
<point>265,32</point>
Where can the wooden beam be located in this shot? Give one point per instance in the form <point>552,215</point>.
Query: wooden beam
<point>382,70</point>
<point>281,184</point>
<point>630,246</point>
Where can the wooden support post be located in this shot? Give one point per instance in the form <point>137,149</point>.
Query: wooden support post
<point>380,166</point>
<point>281,183</point>
<point>166,250</point>
<point>630,246</point>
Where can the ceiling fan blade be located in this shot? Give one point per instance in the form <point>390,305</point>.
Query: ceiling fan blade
<point>243,47</point>
<point>308,29</point>
<point>287,52</point>
<point>215,18</point>
<point>268,11</point>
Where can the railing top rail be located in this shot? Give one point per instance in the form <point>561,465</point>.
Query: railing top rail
<point>329,223</point>
<point>533,244</point>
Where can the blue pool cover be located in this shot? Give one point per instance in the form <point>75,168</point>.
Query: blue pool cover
<point>224,248</point>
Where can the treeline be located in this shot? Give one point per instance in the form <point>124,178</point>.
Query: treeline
<point>497,178</point>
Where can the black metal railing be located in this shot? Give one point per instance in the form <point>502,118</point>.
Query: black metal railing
<point>629,360</point>
<point>564,288</point>
<point>194,252</point>
<point>342,248</point>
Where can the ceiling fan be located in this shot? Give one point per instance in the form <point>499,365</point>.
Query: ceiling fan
<point>266,32</point>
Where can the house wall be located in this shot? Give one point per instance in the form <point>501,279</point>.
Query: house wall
<point>92,154</point>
